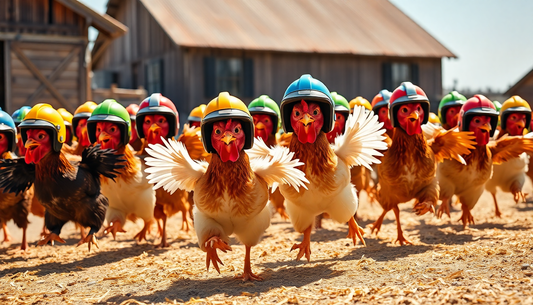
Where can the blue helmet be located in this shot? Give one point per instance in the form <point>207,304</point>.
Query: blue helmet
<point>20,114</point>
<point>7,126</point>
<point>309,89</point>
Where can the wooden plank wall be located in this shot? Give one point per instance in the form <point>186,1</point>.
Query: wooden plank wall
<point>525,90</point>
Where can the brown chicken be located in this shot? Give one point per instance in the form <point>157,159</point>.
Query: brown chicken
<point>409,167</point>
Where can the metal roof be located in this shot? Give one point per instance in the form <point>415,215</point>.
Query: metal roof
<point>362,27</point>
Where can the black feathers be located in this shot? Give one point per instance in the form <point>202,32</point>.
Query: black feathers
<point>102,161</point>
<point>16,176</point>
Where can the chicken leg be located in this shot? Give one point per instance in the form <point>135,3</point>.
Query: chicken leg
<point>467,217</point>
<point>444,207</point>
<point>24,243</point>
<point>163,243</point>
<point>401,239</point>
<point>247,274</point>
<point>304,246</point>
<point>114,227</point>
<point>145,230</point>
<point>496,208</point>
<point>355,231</point>
<point>211,246</point>
<point>376,226</point>
<point>7,237</point>
<point>50,238</point>
<point>89,239</point>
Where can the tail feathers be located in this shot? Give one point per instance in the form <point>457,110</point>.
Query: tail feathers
<point>103,162</point>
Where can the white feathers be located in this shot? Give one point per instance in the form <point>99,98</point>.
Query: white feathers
<point>259,150</point>
<point>277,167</point>
<point>362,139</point>
<point>431,130</point>
<point>171,167</point>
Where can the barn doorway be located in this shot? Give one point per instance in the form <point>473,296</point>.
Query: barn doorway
<point>2,77</point>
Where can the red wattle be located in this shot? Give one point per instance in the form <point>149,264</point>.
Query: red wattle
<point>482,138</point>
<point>414,128</point>
<point>307,134</point>
<point>229,152</point>
<point>261,133</point>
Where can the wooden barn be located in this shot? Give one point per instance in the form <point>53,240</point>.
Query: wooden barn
<point>523,88</point>
<point>191,50</point>
<point>43,47</point>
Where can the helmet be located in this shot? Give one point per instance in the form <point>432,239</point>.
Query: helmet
<point>158,104</point>
<point>132,110</point>
<point>224,107</point>
<point>309,89</point>
<point>515,104</point>
<point>478,105</point>
<point>83,112</point>
<point>67,116</point>
<point>265,105</point>
<point>453,98</point>
<point>341,103</point>
<point>7,126</point>
<point>46,117</point>
<point>197,113</point>
<point>20,114</point>
<point>381,99</point>
<point>407,93</point>
<point>498,105</point>
<point>360,101</point>
<point>433,118</point>
<point>110,111</point>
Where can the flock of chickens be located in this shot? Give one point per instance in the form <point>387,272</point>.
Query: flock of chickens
<point>108,164</point>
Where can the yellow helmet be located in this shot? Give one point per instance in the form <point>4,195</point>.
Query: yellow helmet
<point>515,104</point>
<point>67,116</point>
<point>433,118</point>
<point>83,112</point>
<point>197,113</point>
<point>226,107</point>
<point>360,101</point>
<point>46,117</point>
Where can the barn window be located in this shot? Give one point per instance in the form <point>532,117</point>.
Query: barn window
<point>397,72</point>
<point>234,75</point>
<point>154,76</point>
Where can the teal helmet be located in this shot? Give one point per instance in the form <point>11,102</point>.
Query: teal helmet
<point>19,114</point>
<point>7,126</point>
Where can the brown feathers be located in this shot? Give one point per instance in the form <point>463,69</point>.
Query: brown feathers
<point>132,164</point>
<point>452,144</point>
<point>319,160</point>
<point>509,147</point>
<point>193,142</point>
<point>53,165</point>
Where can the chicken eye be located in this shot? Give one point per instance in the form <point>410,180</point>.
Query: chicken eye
<point>418,108</point>
<point>218,131</point>
<point>113,129</point>
<point>1,136</point>
<point>477,121</point>
<point>404,109</point>
<point>41,136</point>
<point>237,130</point>
<point>297,113</point>
<point>98,129</point>
<point>315,112</point>
<point>267,121</point>
<point>161,121</point>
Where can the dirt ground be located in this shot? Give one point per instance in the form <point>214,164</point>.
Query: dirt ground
<point>485,263</point>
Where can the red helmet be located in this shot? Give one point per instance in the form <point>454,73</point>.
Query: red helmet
<point>132,110</point>
<point>407,93</point>
<point>158,104</point>
<point>381,99</point>
<point>478,105</point>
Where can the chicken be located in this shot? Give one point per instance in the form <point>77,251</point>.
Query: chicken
<point>408,168</point>
<point>307,110</point>
<point>157,118</point>
<point>135,141</point>
<point>130,194</point>
<point>449,108</point>
<point>479,116</point>
<point>68,191</point>
<point>231,191</point>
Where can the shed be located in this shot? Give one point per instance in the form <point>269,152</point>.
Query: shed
<point>191,50</point>
<point>523,88</point>
<point>43,47</point>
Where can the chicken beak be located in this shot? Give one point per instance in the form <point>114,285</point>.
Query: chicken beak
<point>154,128</point>
<point>104,137</point>
<point>31,143</point>
<point>413,116</point>
<point>228,138</point>
<point>306,120</point>
<point>486,127</point>
<point>521,124</point>
<point>260,126</point>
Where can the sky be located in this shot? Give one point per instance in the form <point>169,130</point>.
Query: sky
<point>493,39</point>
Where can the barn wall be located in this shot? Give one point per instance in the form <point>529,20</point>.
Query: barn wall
<point>525,90</point>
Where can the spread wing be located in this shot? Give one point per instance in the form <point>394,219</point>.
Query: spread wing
<point>278,167</point>
<point>259,150</point>
<point>171,167</point>
<point>451,144</point>
<point>284,139</point>
<point>362,140</point>
<point>102,161</point>
<point>16,176</point>
<point>193,142</point>
<point>507,147</point>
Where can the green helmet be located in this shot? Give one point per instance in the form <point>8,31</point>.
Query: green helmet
<point>498,105</point>
<point>341,103</point>
<point>110,111</point>
<point>453,98</point>
<point>265,105</point>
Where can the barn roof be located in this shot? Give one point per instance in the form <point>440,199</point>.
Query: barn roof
<point>525,79</point>
<point>361,27</point>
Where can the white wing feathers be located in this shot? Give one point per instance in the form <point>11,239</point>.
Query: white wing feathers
<point>431,130</point>
<point>362,139</point>
<point>258,150</point>
<point>171,167</point>
<point>278,167</point>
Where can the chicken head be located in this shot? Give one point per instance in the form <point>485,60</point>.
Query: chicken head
<point>410,117</point>
<point>307,120</point>
<point>195,124</point>
<point>452,115</point>
<point>338,129</point>
<point>81,133</point>
<point>38,144</point>
<point>263,126</point>
<point>108,135</point>
<point>480,126</point>
<point>383,117</point>
<point>20,144</point>
<point>4,143</point>
<point>228,139</point>
<point>154,127</point>
<point>515,124</point>
<point>68,137</point>
<point>134,135</point>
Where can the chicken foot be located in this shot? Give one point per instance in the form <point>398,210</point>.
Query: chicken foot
<point>211,246</point>
<point>496,208</point>
<point>115,227</point>
<point>444,208</point>
<point>247,274</point>
<point>401,239</point>
<point>89,239</point>
<point>50,238</point>
<point>376,226</point>
<point>355,231</point>
<point>304,246</point>
<point>423,207</point>
<point>145,230</point>
<point>467,217</point>
<point>7,237</point>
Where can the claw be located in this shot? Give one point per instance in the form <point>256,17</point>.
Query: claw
<point>444,208</point>
<point>466,217</point>
<point>144,231</point>
<point>304,246</point>
<point>114,227</point>
<point>211,246</point>
<point>355,231</point>
<point>50,238</point>
<point>89,239</point>
<point>422,208</point>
